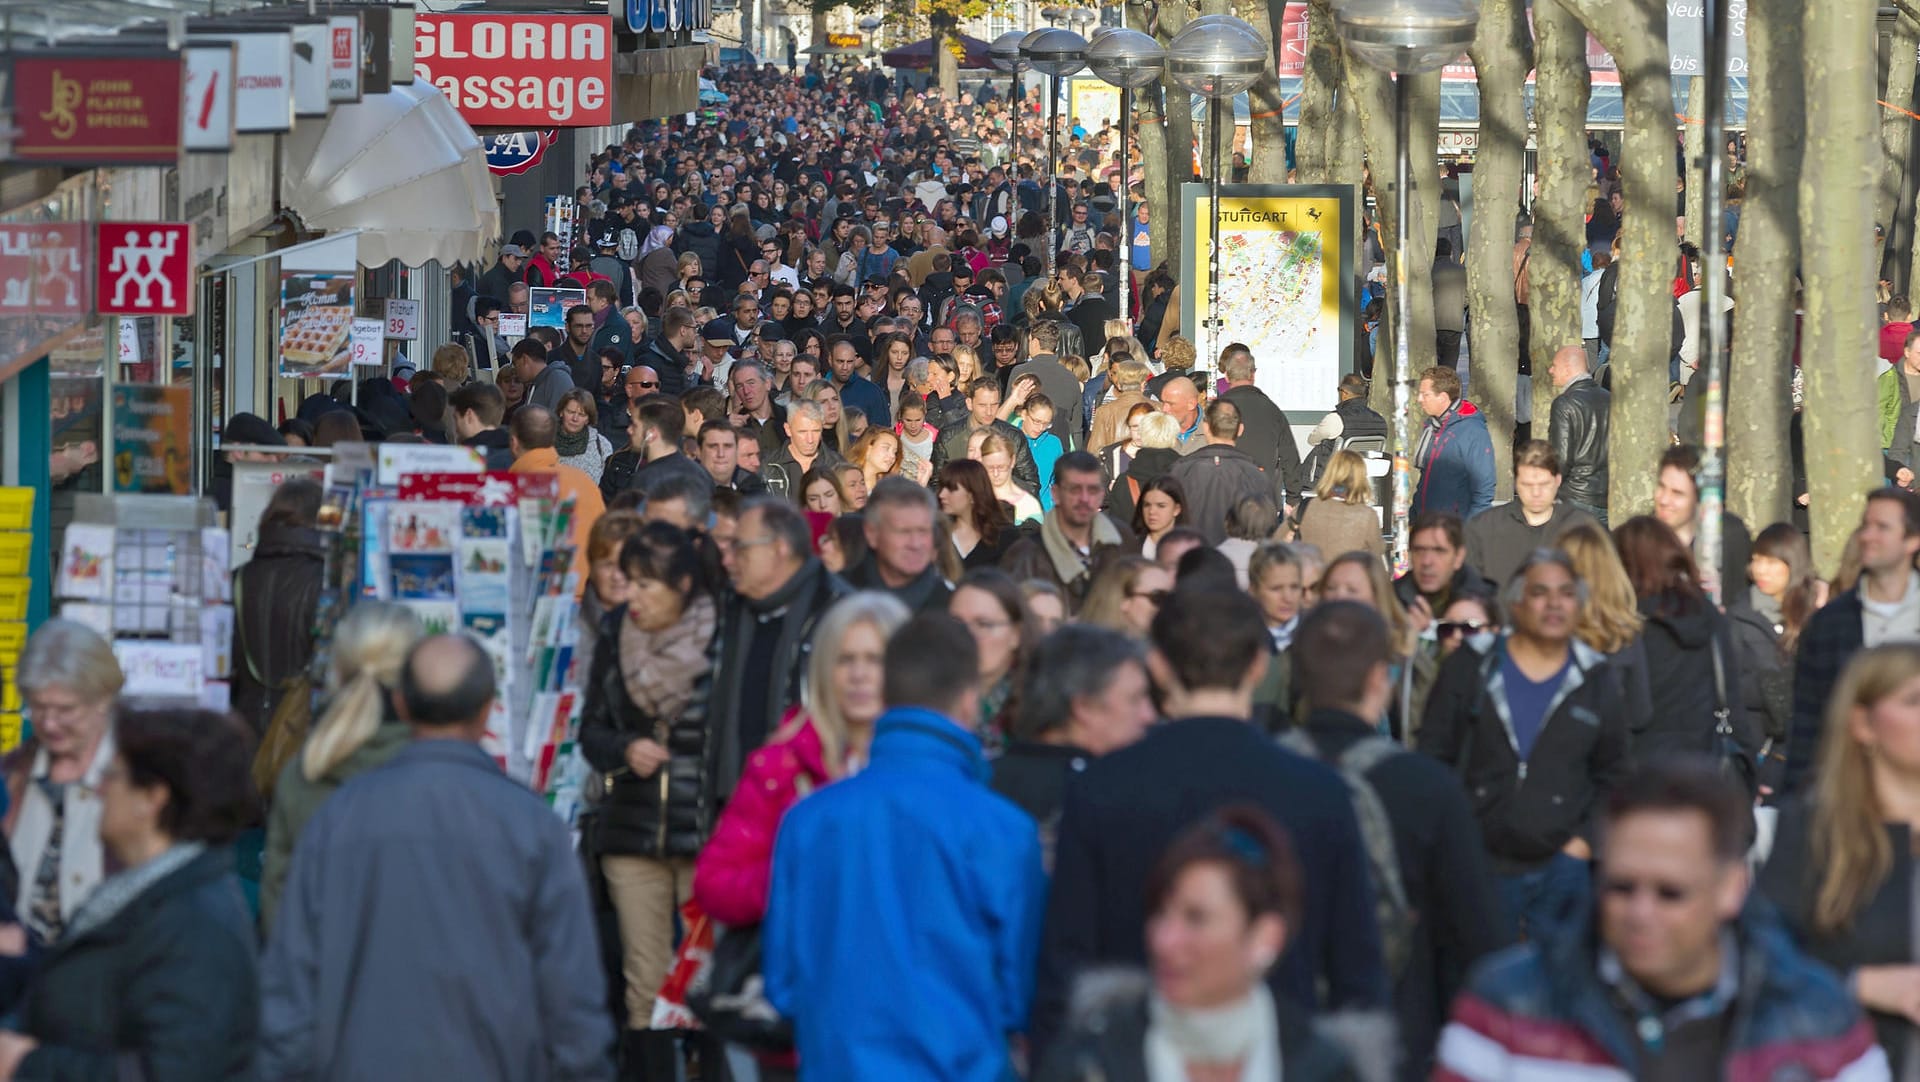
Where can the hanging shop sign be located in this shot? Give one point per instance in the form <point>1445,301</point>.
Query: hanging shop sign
<point>343,57</point>
<point>519,71</point>
<point>210,87</point>
<point>312,68</point>
<point>123,108</point>
<point>263,78</point>
<point>144,269</point>
<point>42,269</point>
<point>510,154</point>
<point>845,41</point>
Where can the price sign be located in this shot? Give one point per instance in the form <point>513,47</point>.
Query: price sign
<point>513,325</point>
<point>403,319</point>
<point>364,341</point>
<point>129,340</point>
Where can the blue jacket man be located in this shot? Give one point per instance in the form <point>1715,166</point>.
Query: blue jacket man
<point>1455,456</point>
<point>903,918</point>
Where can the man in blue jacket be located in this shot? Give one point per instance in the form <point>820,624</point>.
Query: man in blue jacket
<point>903,918</point>
<point>1455,456</point>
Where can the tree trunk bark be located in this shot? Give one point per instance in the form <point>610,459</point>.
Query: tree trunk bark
<point>1267,127</point>
<point>1374,96</point>
<point>946,67</point>
<point>1179,147</point>
<point>1695,153</point>
<point>1559,225</point>
<point>1896,128</point>
<point>1635,32</point>
<point>1318,131</point>
<point>1838,175</point>
<point>1759,480</point>
<point>818,29</point>
<point>1502,55</point>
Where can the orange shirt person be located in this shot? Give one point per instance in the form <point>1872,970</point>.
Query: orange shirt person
<point>531,435</point>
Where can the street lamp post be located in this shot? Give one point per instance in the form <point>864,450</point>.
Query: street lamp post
<point>870,26</point>
<point>1216,57</point>
<point>1128,59</point>
<point>1005,54</point>
<point>1407,37</point>
<point>1713,292</point>
<point>1053,52</point>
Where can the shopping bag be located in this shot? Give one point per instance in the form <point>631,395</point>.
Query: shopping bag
<point>690,962</point>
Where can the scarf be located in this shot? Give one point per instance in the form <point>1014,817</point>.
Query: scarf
<point>1068,564</point>
<point>574,445</point>
<point>660,668</point>
<point>1247,1033</point>
<point>119,891</point>
<point>660,237</point>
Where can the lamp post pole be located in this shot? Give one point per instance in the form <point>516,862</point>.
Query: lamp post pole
<point>1402,356</point>
<point>1713,292</point>
<point>1127,59</point>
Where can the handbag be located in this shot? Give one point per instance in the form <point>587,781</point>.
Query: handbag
<point>1734,761</point>
<point>730,998</point>
<point>292,716</point>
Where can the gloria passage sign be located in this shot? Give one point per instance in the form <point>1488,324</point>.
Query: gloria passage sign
<point>519,71</point>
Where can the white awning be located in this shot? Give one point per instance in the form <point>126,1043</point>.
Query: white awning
<point>403,168</point>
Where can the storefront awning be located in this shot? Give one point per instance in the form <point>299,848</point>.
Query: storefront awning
<point>403,168</point>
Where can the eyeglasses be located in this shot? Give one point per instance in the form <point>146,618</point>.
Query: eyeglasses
<point>1453,628</point>
<point>645,385</point>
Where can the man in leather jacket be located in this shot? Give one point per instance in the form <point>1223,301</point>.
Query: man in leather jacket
<point>1578,431</point>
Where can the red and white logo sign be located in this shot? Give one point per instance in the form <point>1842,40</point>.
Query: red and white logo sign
<point>41,269</point>
<point>519,71</point>
<point>145,269</point>
<point>210,80</point>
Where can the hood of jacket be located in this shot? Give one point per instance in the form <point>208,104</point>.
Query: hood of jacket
<point>281,540</point>
<point>1462,414</point>
<point>699,229</point>
<point>1150,462</point>
<point>1691,623</point>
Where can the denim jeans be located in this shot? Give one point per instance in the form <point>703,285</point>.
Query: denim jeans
<point>1536,900</point>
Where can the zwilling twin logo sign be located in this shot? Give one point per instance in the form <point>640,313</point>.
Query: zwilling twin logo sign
<point>519,71</point>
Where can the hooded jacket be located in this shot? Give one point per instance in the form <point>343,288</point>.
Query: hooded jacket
<point>1680,637</point>
<point>1147,464</point>
<point>277,596</point>
<point>1455,458</point>
<point>1216,478</point>
<point>700,238</point>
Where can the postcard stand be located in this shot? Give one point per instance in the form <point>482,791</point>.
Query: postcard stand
<point>151,574</point>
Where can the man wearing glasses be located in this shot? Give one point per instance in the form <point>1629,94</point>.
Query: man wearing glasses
<point>778,273</point>
<point>1077,234</point>
<point>488,348</point>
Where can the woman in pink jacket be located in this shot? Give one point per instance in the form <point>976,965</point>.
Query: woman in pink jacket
<point>824,739</point>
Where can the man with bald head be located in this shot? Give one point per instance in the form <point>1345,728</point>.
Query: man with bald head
<point>1180,399</point>
<point>432,899</point>
<point>1578,429</point>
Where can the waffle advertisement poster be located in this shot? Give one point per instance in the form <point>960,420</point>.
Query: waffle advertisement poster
<point>316,319</point>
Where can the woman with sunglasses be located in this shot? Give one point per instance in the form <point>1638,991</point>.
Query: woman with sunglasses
<point>1126,595</point>
<point>1843,871</point>
<point>1471,619</point>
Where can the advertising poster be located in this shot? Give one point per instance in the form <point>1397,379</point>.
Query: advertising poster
<point>316,320</point>
<point>1286,286</point>
<point>153,438</point>
<point>1094,103</point>
<point>548,307</point>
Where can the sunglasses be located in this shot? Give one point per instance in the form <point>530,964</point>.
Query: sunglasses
<point>1158,597</point>
<point>1452,628</point>
<point>645,385</point>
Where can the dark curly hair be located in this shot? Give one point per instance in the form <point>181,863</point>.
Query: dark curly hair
<point>205,762</point>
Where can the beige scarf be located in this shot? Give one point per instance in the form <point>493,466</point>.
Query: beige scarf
<point>660,668</point>
<point>1068,564</point>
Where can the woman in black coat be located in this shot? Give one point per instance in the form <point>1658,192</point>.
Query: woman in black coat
<point>1693,670</point>
<point>645,729</point>
<point>156,969</point>
<point>276,595</point>
<point>738,249</point>
<point>1767,619</point>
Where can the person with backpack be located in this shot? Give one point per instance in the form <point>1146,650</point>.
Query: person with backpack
<point>1433,890</point>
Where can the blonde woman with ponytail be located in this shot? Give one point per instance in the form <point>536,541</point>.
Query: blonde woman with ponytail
<point>355,733</point>
<point>1843,871</point>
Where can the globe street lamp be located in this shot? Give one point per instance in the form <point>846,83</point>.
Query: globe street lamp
<point>1216,57</point>
<point>870,26</point>
<point>1407,37</point>
<point>1129,60</point>
<point>1005,55</point>
<point>1055,53</point>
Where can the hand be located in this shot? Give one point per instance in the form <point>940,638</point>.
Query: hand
<point>1802,499</point>
<point>1890,990</point>
<point>1420,615</point>
<point>13,940</point>
<point>13,1049</point>
<point>644,757</point>
<point>1902,477</point>
<point>1578,849</point>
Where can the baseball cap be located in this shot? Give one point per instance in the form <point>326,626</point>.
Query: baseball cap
<point>513,250</point>
<point>717,332</point>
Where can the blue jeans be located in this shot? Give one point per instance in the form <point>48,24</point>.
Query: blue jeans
<point>1537,900</point>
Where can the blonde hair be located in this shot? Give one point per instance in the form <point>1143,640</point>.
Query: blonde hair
<point>369,648</point>
<point>966,366</point>
<point>1611,617</point>
<point>812,392</point>
<point>1109,590</point>
<point>1179,354</point>
<point>1159,430</point>
<point>1130,375</point>
<point>1849,832</point>
<point>882,612</point>
<point>1384,600</point>
<point>1345,480</point>
<point>450,364</point>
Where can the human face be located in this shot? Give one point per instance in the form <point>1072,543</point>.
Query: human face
<point>1203,949</point>
<point>1664,896</point>
<point>803,433</point>
<point>1143,601</point>
<point>829,400</point>
<point>1181,403</point>
<point>783,355</point>
<point>999,469</point>
<point>844,359</point>
<point>1885,546</point>
<point>653,605</point>
<point>1158,511</point>
<point>985,406</point>
<point>822,496</point>
<point>580,330</point>
<point>803,373</point>
<point>1462,619</point>
<point>1077,497</point>
<point>1278,593</point>
<point>1118,715</point>
<point>67,725</point>
<point>1770,574</point>
<point>911,310</point>
<point>511,389</point>
<point>749,388</point>
<point>572,418</point>
<point>913,422</point>
<point>997,636</point>
<point>778,307</point>
<point>883,454</point>
<point>1890,728</point>
<point>1536,489</point>
<point>746,455</point>
<point>1005,353</point>
<point>641,382</point>
<point>608,581</point>
<point>859,670</point>
<point>1566,368</point>
<point>1348,582</point>
<point>1434,560</point>
<point>854,480</point>
<point>1675,500</point>
<point>717,454</point>
<point>1432,402</point>
<point>843,308</point>
<point>550,248</point>
<point>1549,603</point>
<point>955,502</point>
<point>898,354</point>
<point>755,559</point>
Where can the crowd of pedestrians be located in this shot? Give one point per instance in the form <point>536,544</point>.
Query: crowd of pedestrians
<point>1010,691</point>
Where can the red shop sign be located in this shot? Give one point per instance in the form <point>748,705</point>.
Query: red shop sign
<point>42,269</point>
<point>519,71</point>
<point>98,110</point>
<point>144,269</point>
